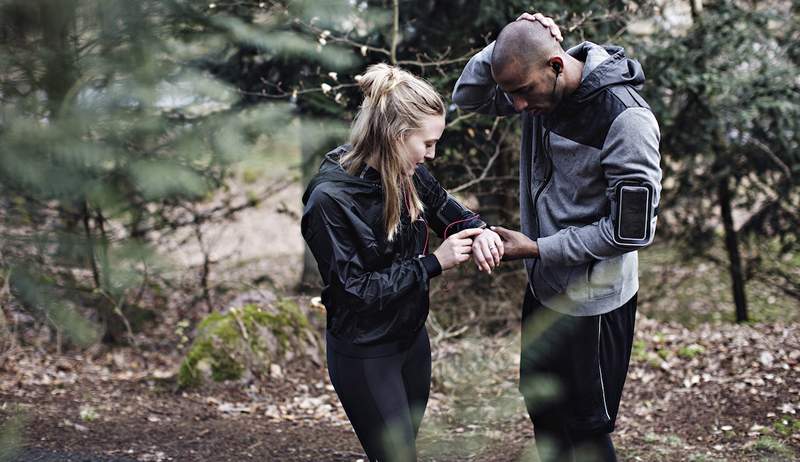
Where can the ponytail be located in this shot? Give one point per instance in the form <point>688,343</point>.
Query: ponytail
<point>394,102</point>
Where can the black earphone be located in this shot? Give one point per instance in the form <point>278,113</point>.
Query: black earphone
<point>556,67</point>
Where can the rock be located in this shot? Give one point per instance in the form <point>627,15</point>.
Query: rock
<point>766,359</point>
<point>245,343</point>
<point>252,297</point>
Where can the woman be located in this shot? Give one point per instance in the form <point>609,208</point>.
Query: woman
<point>365,220</point>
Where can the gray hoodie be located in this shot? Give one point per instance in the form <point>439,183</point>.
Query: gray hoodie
<point>570,162</point>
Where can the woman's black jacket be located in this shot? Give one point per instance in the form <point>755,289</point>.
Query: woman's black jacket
<point>375,292</point>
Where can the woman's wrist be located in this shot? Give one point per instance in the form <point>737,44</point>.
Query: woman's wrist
<point>432,265</point>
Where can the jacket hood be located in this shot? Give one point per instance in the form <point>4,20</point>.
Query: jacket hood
<point>604,66</point>
<point>332,170</point>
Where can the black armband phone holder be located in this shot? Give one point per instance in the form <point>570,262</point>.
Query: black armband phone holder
<point>452,213</point>
<point>450,210</point>
<point>634,215</point>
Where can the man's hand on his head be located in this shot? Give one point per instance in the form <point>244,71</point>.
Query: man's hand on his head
<point>545,21</point>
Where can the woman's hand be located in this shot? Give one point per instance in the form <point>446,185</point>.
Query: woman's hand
<point>456,248</point>
<point>487,250</point>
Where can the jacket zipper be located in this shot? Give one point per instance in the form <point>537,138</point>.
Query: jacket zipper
<point>539,190</point>
<point>547,178</point>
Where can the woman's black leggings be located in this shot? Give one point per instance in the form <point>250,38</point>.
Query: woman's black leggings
<point>385,398</point>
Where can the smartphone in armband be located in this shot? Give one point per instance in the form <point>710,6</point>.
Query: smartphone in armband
<point>634,213</point>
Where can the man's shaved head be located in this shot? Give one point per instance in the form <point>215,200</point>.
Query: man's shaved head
<point>523,46</point>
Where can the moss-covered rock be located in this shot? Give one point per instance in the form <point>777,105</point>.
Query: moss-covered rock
<point>244,342</point>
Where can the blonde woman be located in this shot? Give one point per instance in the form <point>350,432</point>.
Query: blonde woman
<point>366,220</point>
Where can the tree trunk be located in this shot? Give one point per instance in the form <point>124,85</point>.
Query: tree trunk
<point>732,246</point>
<point>6,335</point>
<point>60,73</point>
<point>310,158</point>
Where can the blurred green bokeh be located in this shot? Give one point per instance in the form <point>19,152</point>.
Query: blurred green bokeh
<point>115,118</point>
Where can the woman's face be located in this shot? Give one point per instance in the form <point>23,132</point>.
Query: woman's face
<point>419,145</point>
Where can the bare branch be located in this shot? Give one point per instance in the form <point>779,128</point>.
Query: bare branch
<point>482,177</point>
<point>774,157</point>
<point>443,62</point>
<point>283,94</point>
<point>395,29</point>
<point>461,118</point>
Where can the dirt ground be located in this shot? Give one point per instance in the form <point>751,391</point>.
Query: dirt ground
<point>139,417</point>
<point>719,392</point>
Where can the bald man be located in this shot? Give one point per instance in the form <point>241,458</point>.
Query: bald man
<point>589,190</point>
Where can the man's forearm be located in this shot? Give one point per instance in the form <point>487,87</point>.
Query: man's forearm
<point>529,249</point>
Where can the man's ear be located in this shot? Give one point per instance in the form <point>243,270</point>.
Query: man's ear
<point>557,64</point>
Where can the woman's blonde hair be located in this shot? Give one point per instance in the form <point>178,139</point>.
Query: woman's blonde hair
<point>394,103</point>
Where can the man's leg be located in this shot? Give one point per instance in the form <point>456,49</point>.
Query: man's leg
<point>585,361</point>
<point>545,336</point>
<point>616,344</point>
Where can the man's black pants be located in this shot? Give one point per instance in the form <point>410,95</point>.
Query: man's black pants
<point>572,372</point>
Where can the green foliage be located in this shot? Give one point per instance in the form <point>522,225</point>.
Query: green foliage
<point>691,351</point>
<point>771,447</point>
<point>639,350</point>
<point>787,426</point>
<point>114,124</point>
<point>11,437</point>
<point>726,95</point>
<point>246,340</point>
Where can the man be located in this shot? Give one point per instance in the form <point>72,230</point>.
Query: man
<point>589,190</point>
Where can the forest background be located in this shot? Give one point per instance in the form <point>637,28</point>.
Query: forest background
<point>152,159</point>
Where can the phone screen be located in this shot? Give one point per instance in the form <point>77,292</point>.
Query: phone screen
<point>633,212</point>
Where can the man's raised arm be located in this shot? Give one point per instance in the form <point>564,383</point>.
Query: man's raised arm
<point>476,90</point>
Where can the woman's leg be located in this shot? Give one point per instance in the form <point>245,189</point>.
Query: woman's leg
<point>373,395</point>
<point>417,378</point>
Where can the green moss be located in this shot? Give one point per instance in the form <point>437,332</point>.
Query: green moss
<point>651,438</point>
<point>674,441</point>
<point>770,446</point>
<point>11,435</point>
<point>787,426</point>
<point>639,352</point>
<point>252,175</point>
<point>246,339</point>
<point>690,351</point>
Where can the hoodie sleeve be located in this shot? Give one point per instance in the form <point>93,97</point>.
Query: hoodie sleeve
<point>476,90</point>
<point>444,214</point>
<point>630,152</point>
<point>333,234</point>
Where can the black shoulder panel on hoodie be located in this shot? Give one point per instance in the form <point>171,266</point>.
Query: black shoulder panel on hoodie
<point>588,122</point>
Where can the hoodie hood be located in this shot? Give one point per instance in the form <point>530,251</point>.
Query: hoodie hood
<point>604,66</point>
<point>332,170</point>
